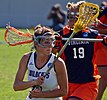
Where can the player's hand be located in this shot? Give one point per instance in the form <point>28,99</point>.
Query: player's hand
<point>39,80</point>
<point>37,88</point>
<point>34,91</point>
<point>35,94</point>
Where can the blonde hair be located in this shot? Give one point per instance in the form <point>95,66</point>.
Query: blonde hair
<point>74,5</point>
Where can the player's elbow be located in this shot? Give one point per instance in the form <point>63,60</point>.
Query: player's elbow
<point>15,87</point>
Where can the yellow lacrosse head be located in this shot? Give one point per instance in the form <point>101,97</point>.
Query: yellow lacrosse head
<point>87,13</point>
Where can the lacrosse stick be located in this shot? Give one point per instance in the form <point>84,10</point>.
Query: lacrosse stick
<point>15,37</point>
<point>87,13</point>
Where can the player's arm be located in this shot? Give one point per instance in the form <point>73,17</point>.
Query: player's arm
<point>62,77</point>
<point>19,83</point>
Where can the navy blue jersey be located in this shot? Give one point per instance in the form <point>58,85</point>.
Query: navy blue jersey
<point>79,57</point>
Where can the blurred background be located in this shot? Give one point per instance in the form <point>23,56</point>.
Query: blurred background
<point>29,13</point>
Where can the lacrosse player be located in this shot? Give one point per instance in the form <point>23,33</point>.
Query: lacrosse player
<point>101,54</point>
<point>79,58</point>
<point>54,85</point>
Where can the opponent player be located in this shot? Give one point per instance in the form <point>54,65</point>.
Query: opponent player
<point>54,85</point>
<point>79,58</point>
<point>102,54</point>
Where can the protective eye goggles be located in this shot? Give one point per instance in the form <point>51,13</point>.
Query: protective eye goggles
<point>45,41</point>
<point>72,15</point>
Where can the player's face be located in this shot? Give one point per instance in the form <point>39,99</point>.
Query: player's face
<point>72,16</point>
<point>45,51</point>
<point>44,44</point>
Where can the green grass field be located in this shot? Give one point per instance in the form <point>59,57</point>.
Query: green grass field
<point>9,59</point>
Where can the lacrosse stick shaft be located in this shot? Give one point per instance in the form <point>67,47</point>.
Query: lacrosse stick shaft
<point>84,39</point>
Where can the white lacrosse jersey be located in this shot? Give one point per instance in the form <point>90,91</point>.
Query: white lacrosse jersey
<point>50,81</point>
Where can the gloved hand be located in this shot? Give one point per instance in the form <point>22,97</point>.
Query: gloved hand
<point>58,42</point>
